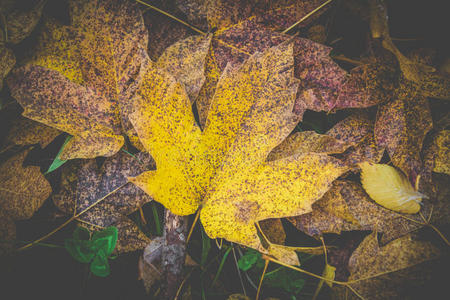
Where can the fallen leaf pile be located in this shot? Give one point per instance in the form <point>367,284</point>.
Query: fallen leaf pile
<point>202,107</point>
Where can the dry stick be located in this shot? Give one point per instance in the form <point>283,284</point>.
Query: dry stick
<point>193,225</point>
<point>171,16</point>
<point>348,60</point>
<point>262,278</point>
<point>307,16</point>
<point>69,220</point>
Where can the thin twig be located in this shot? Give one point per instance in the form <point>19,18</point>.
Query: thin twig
<point>262,278</point>
<point>307,16</point>
<point>193,226</point>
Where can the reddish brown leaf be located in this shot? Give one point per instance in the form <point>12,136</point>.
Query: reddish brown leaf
<point>401,127</point>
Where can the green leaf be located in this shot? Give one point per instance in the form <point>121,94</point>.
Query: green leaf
<point>57,162</point>
<point>80,250</point>
<point>105,240</point>
<point>249,259</point>
<point>100,265</point>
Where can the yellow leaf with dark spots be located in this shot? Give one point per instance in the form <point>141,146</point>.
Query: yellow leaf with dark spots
<point>223,170</point>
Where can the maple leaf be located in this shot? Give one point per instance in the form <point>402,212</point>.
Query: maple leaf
<point>23,190</point>
<point>83,184</point>
<point>87,74</point>
<point>223,168</point>
<point>351,140</point>
<point>346,207</point>
<point>397,267</point>
<point>401,127</point>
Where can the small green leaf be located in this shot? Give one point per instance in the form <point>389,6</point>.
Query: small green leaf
<point>80,250</point>
<point>100,265</point>
<point>105,240</point>
<point>57,162</point>
<point>248,259</point>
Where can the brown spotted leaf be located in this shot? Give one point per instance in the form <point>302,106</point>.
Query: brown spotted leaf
<point>346,207</point>
<point>321,77</point>
<point>185,60</point>
<point>28,132</point>
<point>88,72</point>
<point>401,127</point>
<point>405,264</point>
<point>306,142</point>
<point>84,184</point>
<point>439,154</point>
<point>275,15</point>
<point>23,190</point>
<point>357,129</point>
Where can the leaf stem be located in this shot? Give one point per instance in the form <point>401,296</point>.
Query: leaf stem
<point>262,278</point>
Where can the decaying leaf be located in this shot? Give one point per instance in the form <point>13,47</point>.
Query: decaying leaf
<point>83,184</point>
<point>273,230</point>
<point>7,61</point>
<point>223,168</point>
<point>19,23</point>
<point>185,60</point>
<point>389,188</point>
<point>274,15</point>
<point>23,190</point>
<point>346,207</point>
<point>306,142</point>
<point>28,132</point>
<point>401,127</point>
<point>391,270</point>
<point>87,74</point>
<point>441,156</point>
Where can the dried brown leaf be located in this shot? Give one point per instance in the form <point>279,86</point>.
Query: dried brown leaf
<point>401,127</point>
<point>404,262</point>
<point>28,132</point>
<point>23,190</point>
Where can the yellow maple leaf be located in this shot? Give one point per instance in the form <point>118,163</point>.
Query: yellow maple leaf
<point>223,169</point>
